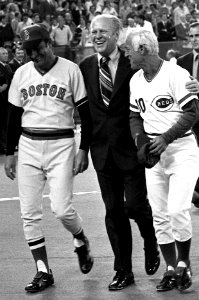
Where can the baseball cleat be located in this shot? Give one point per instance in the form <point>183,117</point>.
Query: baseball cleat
<point>85,259</point>
<point>168,282</point>
<point>183,278</point>
<point>40,282</point>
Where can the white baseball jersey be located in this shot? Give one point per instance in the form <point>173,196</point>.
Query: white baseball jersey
<point>48,99</point>
<point>160,100</point>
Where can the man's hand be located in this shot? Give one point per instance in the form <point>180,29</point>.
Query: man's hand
<point>158,145</point>
<point>10,166</point>
<point>81,162</point>
<point>193,85</point>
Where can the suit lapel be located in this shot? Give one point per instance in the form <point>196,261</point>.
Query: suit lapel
<point>122,72</point>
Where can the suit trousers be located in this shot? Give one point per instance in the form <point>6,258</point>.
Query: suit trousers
<point>124,196</point>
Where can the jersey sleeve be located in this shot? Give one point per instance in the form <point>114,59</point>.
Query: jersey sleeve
<point>14,94</point>
<point>179,78</point>
<point>78,87</point>
<point>133,104</point>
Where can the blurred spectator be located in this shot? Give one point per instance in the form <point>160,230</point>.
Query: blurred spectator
<point>108,8</point>
<point>88,4</point>
<point>6,32</point>
<point>25,7</point>
<point>75,13</point>
<point>15,21</point>
<point>82,9</point>
<point>163,8</point>
<point>12,6</point>
<point>172,55</point>
<point>47,7</point>
<point>182,29</point>
<point>125,10</point>
<point>36,18</point>
<point>17,60</point>
<point>47,22</point>
<point>26,21</point>
<point>54,23</point>
<point>165,29</point>
<point>69,21</point>
<point>33,4</point>
<point>62,36</point>
<point>180,11</point>
<point>131,24</point>
<point>5,80</point>
<point>144,23</point>
<point>195,16</point>
<point>91,13</point>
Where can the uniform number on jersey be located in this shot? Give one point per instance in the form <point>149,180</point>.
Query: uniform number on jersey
<point>140,104</point>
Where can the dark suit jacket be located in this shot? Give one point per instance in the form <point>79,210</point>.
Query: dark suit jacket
<point>186,62</point>
<point>5,78</point>
<point>14,64</point>
<point>110,126</point>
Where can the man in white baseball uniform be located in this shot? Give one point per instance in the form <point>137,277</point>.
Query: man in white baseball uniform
<point>42,97</point>
<point>163,113</point>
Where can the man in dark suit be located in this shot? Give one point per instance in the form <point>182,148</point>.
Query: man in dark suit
<point>190,62</point>
<point>5,80</point>
<point>113,152</point>
<point>17,61</point>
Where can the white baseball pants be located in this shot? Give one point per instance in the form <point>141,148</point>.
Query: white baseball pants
<point>40,161</point>
<point>170,186</point>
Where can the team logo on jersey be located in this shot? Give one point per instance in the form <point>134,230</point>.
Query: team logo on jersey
<point>26,35</point>
<point>162,103</point>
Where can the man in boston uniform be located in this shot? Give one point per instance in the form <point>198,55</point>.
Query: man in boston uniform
<point>42,96</point>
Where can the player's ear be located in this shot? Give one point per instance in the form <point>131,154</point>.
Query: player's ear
<point>142,49</point>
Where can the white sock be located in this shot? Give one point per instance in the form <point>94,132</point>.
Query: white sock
<point>182,264</point>
<point>170,268</point>
<point>78,243</point>
<point>41,266</point>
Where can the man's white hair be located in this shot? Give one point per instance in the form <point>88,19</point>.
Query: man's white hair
<point>115,21</point>
<point>142,37</point>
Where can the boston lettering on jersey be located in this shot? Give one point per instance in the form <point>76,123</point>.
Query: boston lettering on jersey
<point>44,89</point>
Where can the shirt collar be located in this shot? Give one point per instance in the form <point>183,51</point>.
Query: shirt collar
<point>195,54</point>
<point>114,56</point>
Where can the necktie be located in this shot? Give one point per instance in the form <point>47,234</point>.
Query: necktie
<point>106,85</point>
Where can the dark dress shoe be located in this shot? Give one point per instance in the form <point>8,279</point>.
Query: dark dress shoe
<point>152,261</point>
<point>167,283</point>
<point>121,280</point>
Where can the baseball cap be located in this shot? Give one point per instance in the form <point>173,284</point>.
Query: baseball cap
<point>32,35</point>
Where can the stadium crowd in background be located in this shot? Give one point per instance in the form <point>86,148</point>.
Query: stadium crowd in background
<point>68,22</point>
<point>169,19</point>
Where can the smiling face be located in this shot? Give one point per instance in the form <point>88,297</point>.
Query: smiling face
<point>194,38</point>
<point>103,36</point>
<point>41,55</point>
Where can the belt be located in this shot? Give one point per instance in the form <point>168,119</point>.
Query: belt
<point>158,134</point>
<point>47,134</point>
